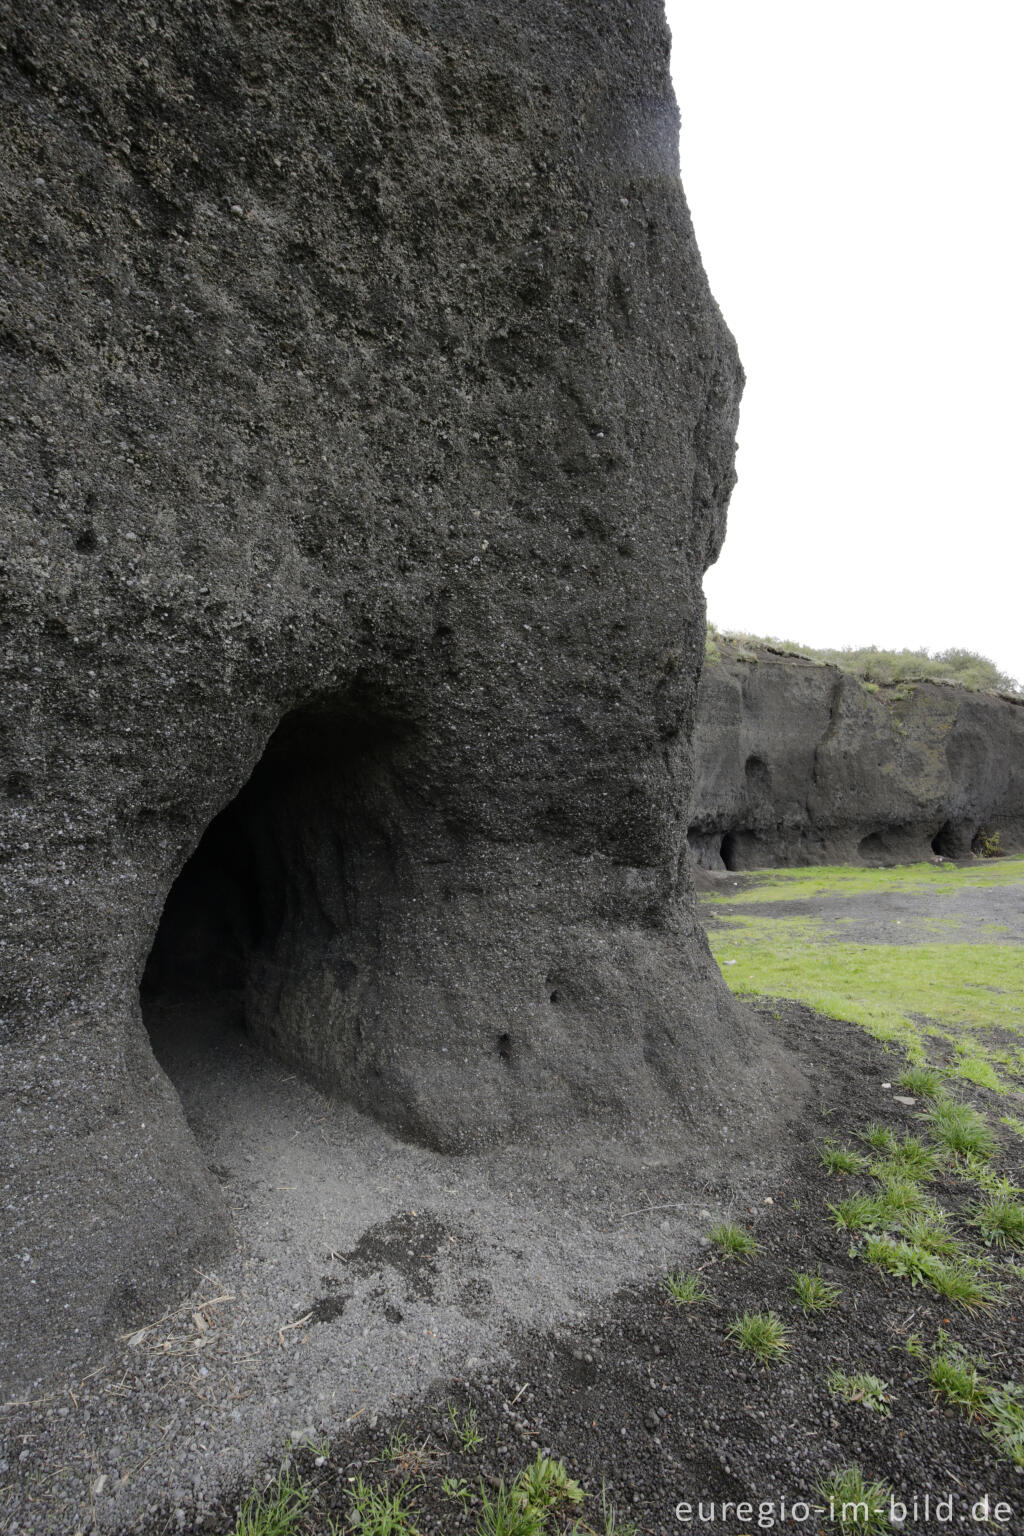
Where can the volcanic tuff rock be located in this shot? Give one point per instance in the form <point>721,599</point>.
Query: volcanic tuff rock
<point>797,762</point>
<point>368,426</point>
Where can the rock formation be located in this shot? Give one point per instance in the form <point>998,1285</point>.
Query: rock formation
<point>368,427</point>
<point>796,762</point>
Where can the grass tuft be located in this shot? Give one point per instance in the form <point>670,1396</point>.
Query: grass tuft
<point>857,1507</point>
<point>881,1138</point>
<point>861,1387</point>
<point>732,1241</point>
<point>813,1293</point>
<point>958,1377</point>
<point>1005,1413</point>
<point>686,1289</point>
<point>762,1334</point>
<point>923,1082</point>
<point>380,1512</point>
<point>958,1279</point>
<point>276,1511</point>
<point>1000,1221</point>
<point>858,1213</point>
<point>464,1425</point>
<point>961,1128</point>
<point>910,1159</point>
<point>842,1159</point>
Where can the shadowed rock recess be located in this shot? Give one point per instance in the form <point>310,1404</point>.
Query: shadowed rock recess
<point>368,427</point>
<point>796,762</point>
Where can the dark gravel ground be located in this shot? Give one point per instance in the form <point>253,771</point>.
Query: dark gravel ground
<point>653,1402</point>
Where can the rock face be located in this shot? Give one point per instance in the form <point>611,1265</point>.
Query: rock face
<point>796,762</point>
<point>368,427</point>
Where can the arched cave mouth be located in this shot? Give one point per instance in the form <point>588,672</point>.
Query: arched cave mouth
<point>272,924</point>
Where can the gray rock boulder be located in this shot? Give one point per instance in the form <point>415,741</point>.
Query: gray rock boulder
<point>368,426</point>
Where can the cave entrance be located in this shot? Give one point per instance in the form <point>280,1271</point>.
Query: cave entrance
<point>273,920</point>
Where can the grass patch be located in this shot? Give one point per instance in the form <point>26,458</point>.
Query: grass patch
<point>958,1377</point>
<point>959,1279</point>
<point>922,1082</point>
<point>881,1138</point>
<point>732,1241</point>
<point>686,1289</point>
<point>858,1213</point>
<point>523,1508</point>
<point>1005,1415</point>
<point>948,995</point>
<point>380,1511</point>
<point>909,1159</point>
<point>1000,1221</point>
<point>842,1159</point>
<point>275,1511</point>
<point>904,994</point>
<point>761,1334</point>
<point>813,1293</point>
<point>858,880</point>
<point>464,1425</point>
<point>961,1128</point>
<point>855,1506</point>
<point>863,1388</point>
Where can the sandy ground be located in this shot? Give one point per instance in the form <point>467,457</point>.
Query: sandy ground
<point>365,1270</point>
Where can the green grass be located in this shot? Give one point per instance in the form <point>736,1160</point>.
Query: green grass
<point>958,1377</point>
<point>958,1279</point>
<point>858,880</point>
<point>908,1159</point>
<point>275,1511</point>
<point>842,1159</point>
<point>1005,1415</point>
<point>761,1334</point>
<point>863,1388</point>
<point>855,1506</point>
<point>813,1293</point>
<point>922,1082</point>
<point>873,666</point>
<point>464,1426</point>
<point>908,995</point>
<point>732,1241</point>
<point>503,1513</point>
<point>881,1138</point>
<point>947,999</point>
<point>545,1484</point>
<point>381,1511</point>
<point>1001,1221</point>
<point>961,1128</point>
<point>523,1508</point>
<point>686,1289</point>
<point>858,1213</point>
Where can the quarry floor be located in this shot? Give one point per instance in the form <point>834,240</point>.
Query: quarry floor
<point>377,1291</point>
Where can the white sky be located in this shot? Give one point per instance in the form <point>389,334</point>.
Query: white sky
<point>855,177</point>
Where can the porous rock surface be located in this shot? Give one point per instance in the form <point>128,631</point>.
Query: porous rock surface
<point>368,426</point>
<point>798,762</point>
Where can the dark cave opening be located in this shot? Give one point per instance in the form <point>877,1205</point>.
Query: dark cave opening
<point>730,850</point>
<point>271,920</point>
<point>948,840</point>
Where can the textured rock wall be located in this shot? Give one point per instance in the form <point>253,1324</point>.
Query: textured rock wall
<point>362,396</point>
<point>800,763</point>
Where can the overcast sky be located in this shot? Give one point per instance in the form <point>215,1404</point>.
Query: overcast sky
<point>854,174</point>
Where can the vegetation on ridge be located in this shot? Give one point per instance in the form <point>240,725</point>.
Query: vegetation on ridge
<point>874,665</point>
